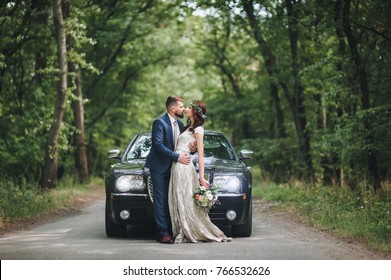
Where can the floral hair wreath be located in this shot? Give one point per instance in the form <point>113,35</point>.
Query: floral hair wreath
<point>197,107</point>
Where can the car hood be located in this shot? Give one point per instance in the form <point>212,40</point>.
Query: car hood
<point>133,166</point>
<point>212,165</point>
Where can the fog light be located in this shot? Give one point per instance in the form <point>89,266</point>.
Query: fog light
<point>124,214</point>
<point>231,215</point>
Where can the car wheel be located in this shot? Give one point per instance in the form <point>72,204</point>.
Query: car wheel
<point>244,230</point>
<point>113,230</point>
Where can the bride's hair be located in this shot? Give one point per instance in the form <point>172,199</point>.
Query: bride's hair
<point>199,111</point>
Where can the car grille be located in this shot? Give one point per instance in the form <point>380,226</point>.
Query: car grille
<point>150,188</point>
<point>217,213</point>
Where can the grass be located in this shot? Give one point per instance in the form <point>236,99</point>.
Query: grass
<point>18,203</point>
<point>362,215</point>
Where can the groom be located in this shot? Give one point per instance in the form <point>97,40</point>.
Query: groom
<point>159,160</point>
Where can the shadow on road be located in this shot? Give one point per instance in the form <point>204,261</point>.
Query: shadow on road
<point>148,232</point>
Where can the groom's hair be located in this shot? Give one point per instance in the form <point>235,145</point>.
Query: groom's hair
<point>173,100</point>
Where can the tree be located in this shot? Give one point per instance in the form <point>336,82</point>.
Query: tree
<point>295,100</point>
<point>81,162</point>
<point>365,92</point>
<point>49,178</point>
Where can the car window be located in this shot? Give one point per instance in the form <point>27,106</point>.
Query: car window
<point>217,146</point>
<point>140,148</point>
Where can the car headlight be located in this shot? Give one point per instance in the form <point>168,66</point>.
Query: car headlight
<point>130,182</point>
<point>227,183</point>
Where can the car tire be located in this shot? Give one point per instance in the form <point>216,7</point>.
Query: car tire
<point>244,230</point>
<point>113,230</point>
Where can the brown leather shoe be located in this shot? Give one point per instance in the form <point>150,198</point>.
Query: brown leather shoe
<point>166,239</point>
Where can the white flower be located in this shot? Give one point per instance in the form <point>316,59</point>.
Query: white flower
<point>210,196</point>
<point>202,188</point>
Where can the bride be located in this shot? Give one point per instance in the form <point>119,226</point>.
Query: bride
<point>188,223</point>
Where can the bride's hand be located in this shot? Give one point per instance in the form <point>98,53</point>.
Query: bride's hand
<point>204,183</point>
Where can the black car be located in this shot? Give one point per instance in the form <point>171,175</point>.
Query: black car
<point>129,193</point>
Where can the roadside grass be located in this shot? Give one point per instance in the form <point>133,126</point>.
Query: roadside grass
<point>20,203</point>
<point>362,214</point>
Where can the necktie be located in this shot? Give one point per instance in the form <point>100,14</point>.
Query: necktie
<point>175,134</point>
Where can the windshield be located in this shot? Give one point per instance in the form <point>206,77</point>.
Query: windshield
<point>140,148</point>
<point>215,146</point>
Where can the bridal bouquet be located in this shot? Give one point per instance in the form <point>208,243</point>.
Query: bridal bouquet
<point>206,197</point>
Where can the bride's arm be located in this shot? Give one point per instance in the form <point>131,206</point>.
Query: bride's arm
<point>200,148</point>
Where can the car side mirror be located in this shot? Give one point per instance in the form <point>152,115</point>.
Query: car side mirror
<point>114,154</point>
<point>246,154</point>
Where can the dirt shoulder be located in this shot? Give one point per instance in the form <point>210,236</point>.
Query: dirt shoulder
<point>295,226</point>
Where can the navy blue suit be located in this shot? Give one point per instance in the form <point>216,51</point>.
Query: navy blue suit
<point>159,162</point>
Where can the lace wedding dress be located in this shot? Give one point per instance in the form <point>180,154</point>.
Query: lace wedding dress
<point>188,223</point>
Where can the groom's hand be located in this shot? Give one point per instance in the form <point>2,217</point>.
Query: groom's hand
<point>193,147</point>
<point>184,158</point>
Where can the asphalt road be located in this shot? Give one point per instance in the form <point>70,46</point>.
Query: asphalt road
<point>276,236</point>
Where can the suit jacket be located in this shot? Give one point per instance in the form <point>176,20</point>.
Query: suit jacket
<point>162,153</point>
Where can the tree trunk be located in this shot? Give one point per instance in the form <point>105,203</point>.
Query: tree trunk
<point>299,109</point>
<point>270,64</point>
<point>81,162</point>
<point>222,61</point>
<point>49,179</point>
<point>365,101</point>
<point>333,159</point>
<point>244,126</point>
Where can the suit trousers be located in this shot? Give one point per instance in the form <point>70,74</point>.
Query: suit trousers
<point>160,182</point>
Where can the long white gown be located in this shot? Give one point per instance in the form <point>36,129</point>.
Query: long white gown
<point>188,223</point>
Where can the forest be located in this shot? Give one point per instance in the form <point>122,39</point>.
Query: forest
<point>304,84</point>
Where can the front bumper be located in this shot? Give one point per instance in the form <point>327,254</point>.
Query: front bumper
<point>239,203</point>
<point>139,206</point>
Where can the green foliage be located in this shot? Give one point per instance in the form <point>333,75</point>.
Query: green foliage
<point>22,201</point>
<point>274,158</point>
<point>133,54</point>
